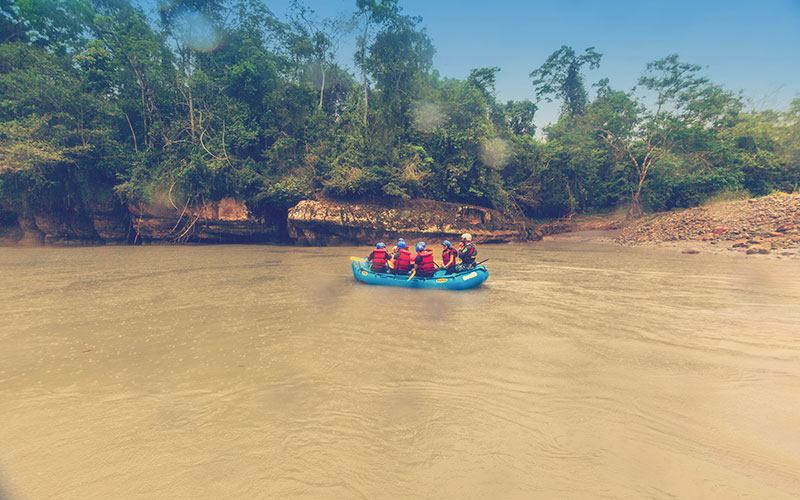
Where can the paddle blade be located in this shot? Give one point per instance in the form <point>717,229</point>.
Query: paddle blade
<point>412,275</point>
<point>360,259</point>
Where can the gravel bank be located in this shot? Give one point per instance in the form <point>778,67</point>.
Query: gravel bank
<point>769,225</point>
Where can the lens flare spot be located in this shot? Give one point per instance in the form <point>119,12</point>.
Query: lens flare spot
<point>495,153</point>
<point>427,116</point>
<point>198,32</point>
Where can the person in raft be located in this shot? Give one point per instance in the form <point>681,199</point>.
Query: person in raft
<point>394,248</point>
<point>467,251</point>
<point>449,255</point>
<point>402,259</point>
<point>379,259</point>
<point>394,253</point>
<point>423,262</point>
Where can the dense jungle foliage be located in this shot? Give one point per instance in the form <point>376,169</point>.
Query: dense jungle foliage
<point>102,103</point>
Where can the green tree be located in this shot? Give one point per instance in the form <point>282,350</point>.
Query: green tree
<point>560,75</point>
<point>519,117</point>
<point>371,12</point>
<point>685,106</point>
<point>399,60</point>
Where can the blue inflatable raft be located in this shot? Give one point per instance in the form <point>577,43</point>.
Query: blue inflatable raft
<point>459,281</point>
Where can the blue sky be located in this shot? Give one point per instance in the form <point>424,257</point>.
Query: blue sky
<point>752,46</point>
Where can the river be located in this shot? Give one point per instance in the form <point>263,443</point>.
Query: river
<point>576,371</point>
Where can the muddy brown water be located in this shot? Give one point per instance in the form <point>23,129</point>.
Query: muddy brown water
<point>576,371</point>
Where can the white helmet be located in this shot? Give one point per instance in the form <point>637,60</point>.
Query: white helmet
<point>466,237</point>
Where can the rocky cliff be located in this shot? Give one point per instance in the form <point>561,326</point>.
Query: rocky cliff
<point>326,222</point>
<point>225,221</point>
<point>61,229</point>
<point>310,222</point>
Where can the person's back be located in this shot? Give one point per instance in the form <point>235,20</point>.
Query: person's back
<point>402,259</point>
<point>423,262</point>
<point>379,258</point>
<point>467,251</point>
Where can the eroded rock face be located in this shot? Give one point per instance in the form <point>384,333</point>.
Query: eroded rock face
<point>317,223</point>
<point>111,222</point>
<point>10,231</point>
<point>225,221</point>
<point>326,222</point>
<point>79,227</point>
<point>67,229</point>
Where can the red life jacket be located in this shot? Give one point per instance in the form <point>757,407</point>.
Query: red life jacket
<point>379,258</point>
<point>427,266</point>
<point>403,262</point>
<point>449,257</point>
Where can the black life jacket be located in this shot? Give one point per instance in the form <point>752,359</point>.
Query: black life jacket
<point>379,258</point>
<point>427,266</point>
<point>449,257</point>
<point>468,254</point>
<point>403,262</point>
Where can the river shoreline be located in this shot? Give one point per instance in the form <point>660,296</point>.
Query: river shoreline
<point>758,227</point>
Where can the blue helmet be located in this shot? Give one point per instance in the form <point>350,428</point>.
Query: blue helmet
<point>446,243</point>
<point>400,240</point>
<point>420,246</point>
<point>401,244</point>
<point>381,245</point>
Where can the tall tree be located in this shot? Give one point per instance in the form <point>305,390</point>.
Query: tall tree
<point>399,59</point>
<point>370,12</point>
<point>519,117</point>
<point>317,39</point>
<point>560,75</point>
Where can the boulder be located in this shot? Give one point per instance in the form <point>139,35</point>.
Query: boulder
<point>328,222</point>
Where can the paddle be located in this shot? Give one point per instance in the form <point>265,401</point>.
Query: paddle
<point>412,275</point>
<point>481,262</point>
<point>360,259</point>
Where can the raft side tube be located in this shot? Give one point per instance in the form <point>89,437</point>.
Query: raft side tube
<point>463,280</point>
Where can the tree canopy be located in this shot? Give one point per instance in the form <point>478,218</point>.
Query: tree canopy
<point>100,104</point>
